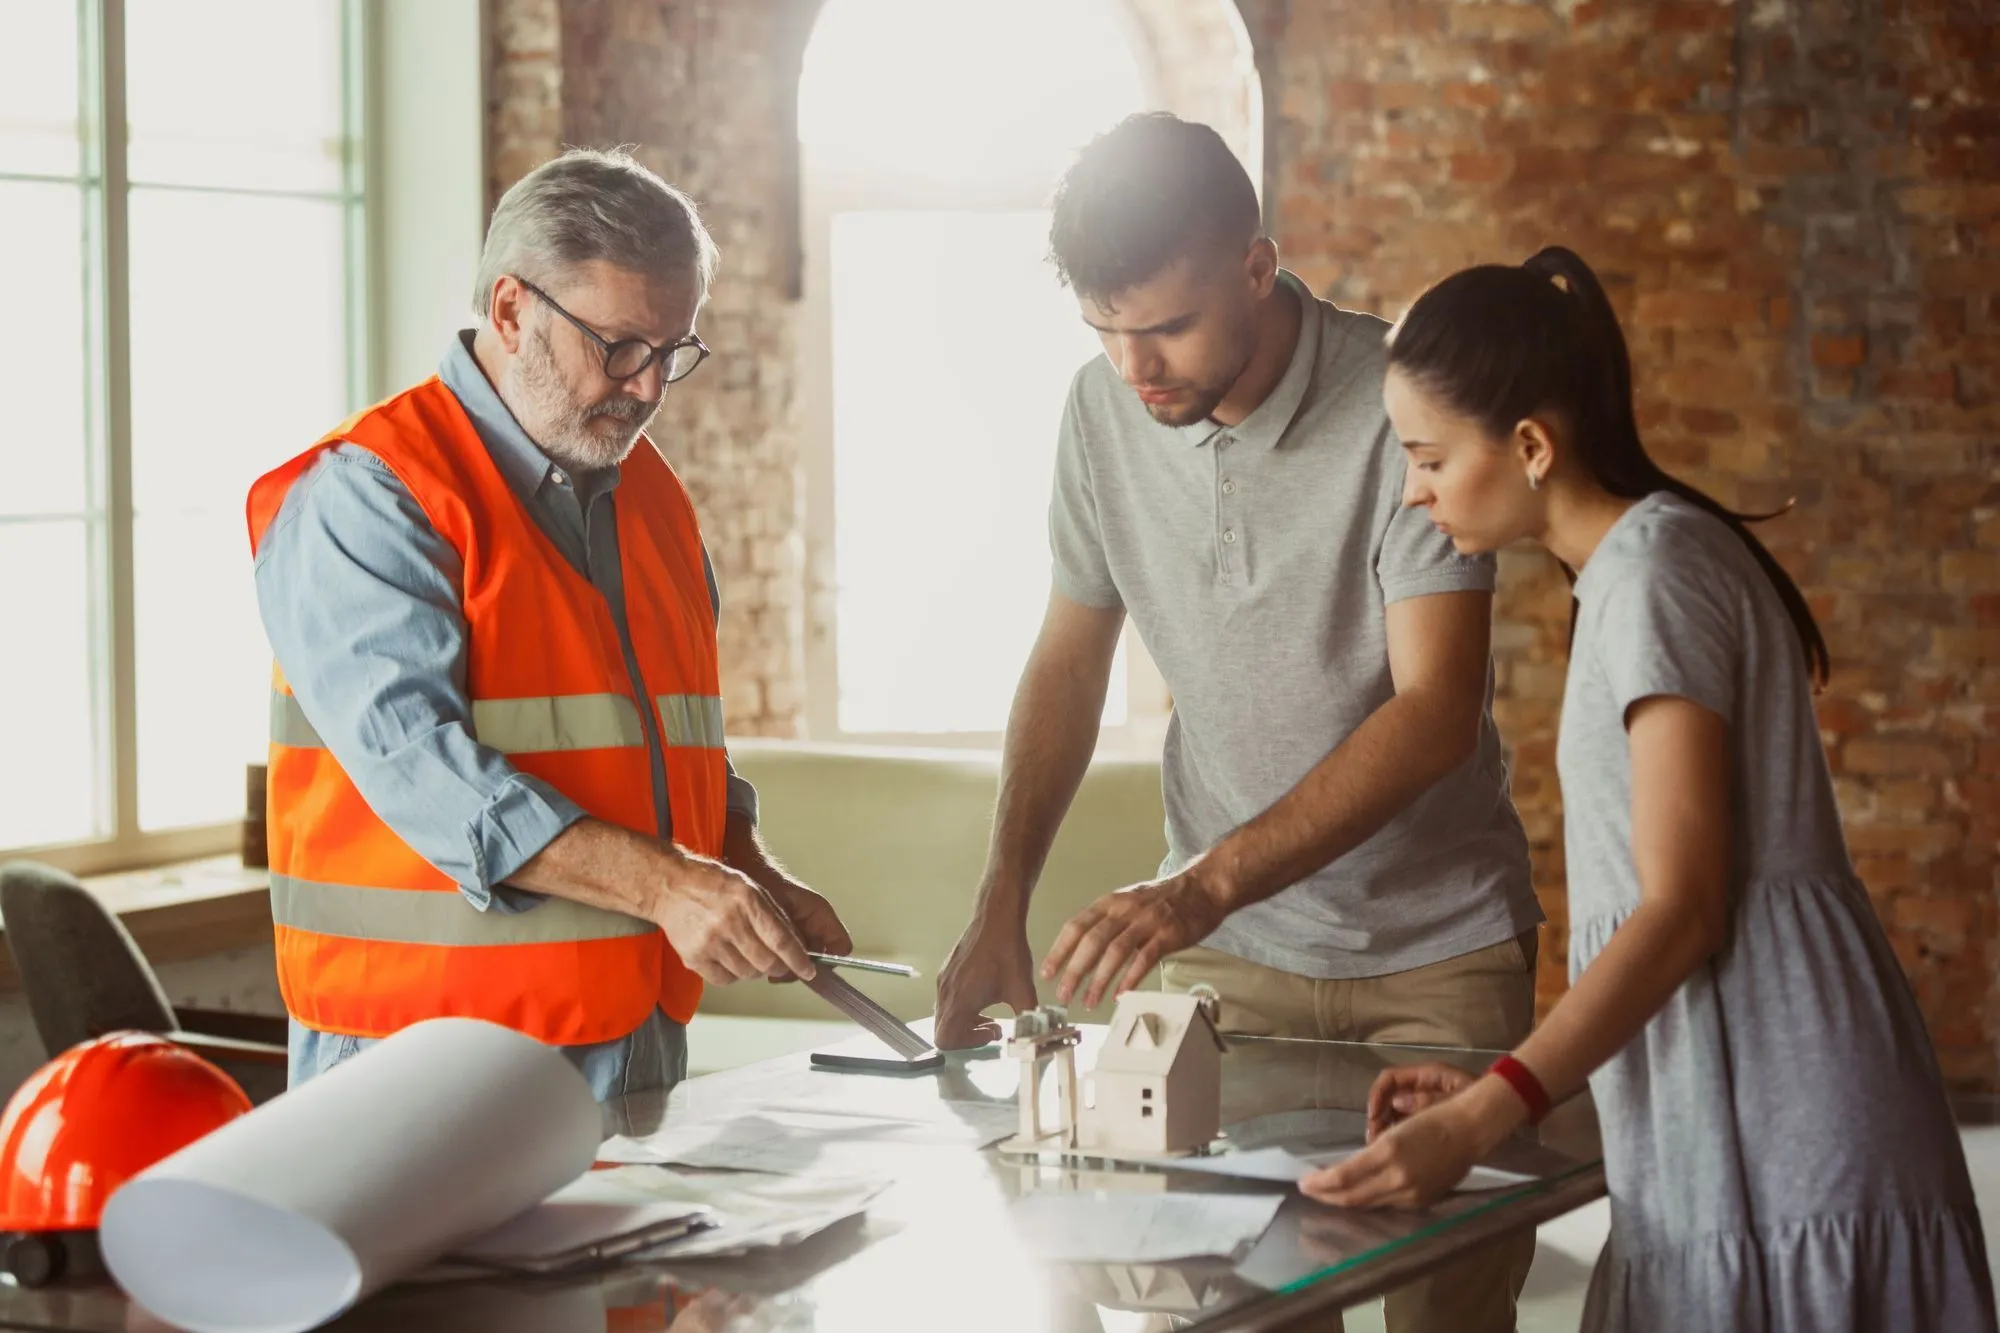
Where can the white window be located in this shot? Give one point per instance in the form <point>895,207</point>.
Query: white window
<point>938,348</point>
<point>180,183</point>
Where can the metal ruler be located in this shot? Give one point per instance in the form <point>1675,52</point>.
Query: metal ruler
<point>864,964</point>
<point>838,992</point>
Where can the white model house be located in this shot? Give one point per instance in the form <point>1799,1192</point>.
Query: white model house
<point>1158,1082</point>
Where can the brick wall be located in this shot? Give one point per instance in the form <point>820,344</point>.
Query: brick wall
<point>523,89</point>
<point>1795,203</point>
<point>690,86</point>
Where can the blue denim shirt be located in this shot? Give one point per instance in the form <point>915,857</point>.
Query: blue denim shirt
<point>361,600</point>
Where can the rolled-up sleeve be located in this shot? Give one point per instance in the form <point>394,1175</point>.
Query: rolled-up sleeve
<point>742,796</point>
<point>361,602</point>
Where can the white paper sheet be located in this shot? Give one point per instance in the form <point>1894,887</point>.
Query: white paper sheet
<point>287,1216</point>
<point>1281,1166</point>
<point>988,1122</point>
<point>794,1139</point>
<point>731,1092</point>
<point>750,1210</point>
<point>1092,1226</point>
<point>1276,1165</point>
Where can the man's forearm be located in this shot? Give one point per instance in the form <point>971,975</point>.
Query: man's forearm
<point>602,865</point>
<point>1392,758</point>
<point>1051,735</point>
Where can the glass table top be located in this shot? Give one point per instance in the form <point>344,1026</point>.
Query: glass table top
<point>940,1240</point>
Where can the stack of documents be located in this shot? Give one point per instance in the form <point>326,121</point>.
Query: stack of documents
<point>587,1222</point>
<point>744,1211</point>
<point>652,1214</point>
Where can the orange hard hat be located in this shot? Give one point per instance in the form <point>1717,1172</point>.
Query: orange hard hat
<point>97,1115</point>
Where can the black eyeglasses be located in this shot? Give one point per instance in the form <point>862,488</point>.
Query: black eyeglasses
<point>630,356</point>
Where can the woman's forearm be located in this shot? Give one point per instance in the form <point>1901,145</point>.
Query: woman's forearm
<point>1649,957</point>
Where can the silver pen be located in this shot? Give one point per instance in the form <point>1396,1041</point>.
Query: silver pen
<point>862,964</point>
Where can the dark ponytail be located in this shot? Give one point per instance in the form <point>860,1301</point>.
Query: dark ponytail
<point>1499,344</point>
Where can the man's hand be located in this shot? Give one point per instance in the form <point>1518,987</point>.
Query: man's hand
<point>726,927</point>
<point>1111,945</point>
<point>991,964</point>
<point>812,916</point>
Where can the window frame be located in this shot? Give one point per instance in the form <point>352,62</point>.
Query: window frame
<point>105,195</point>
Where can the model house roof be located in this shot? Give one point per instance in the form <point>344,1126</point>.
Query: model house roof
<point>1148,1030</point>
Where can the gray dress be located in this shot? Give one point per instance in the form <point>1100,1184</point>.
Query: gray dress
<point>1780,1152</point>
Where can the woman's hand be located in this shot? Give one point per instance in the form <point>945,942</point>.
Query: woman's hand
<point>1401,1092</point>
<point>1415,1163</point>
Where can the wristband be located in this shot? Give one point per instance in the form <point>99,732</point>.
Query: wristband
<point>1525,1085</point>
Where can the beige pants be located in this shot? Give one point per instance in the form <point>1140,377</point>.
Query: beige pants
<point>1484,999</point>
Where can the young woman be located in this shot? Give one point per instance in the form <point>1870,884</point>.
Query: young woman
<point>1780,1153</point>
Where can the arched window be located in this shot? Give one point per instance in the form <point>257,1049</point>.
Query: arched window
<point>937,347</point>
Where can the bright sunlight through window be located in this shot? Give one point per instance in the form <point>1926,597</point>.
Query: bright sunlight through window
<point>235,345</point>
<point>952,343</point>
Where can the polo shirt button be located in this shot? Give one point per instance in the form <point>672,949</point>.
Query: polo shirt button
<point>1229,536</point>
<point>1228,487</point>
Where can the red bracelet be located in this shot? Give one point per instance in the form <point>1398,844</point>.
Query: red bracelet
<point>1525,1085</point>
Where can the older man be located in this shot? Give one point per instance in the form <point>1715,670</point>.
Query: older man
<point>498,784</point>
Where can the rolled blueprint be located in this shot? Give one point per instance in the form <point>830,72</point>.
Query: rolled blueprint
<point>287,1216</point>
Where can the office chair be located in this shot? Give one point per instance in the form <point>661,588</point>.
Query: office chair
<point>84,976</point>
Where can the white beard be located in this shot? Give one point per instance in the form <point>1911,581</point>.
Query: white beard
<point>561,425</point>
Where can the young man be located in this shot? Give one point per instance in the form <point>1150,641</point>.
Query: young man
<point>1343,861</point>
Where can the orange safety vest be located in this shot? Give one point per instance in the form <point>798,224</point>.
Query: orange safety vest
<point>370,936</point>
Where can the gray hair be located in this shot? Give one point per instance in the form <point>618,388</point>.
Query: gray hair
<point>592,204</point>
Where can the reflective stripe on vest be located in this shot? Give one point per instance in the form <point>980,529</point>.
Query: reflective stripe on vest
<point>547,723</point>
<point>692,720</point>
<point>557,722</point>
<point>420,916</point>
<point>289,726</point>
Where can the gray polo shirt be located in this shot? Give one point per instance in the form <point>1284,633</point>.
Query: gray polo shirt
<point>1256,561</point>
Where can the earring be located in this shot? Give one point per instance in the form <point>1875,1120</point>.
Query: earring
<point>1534,482</point>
